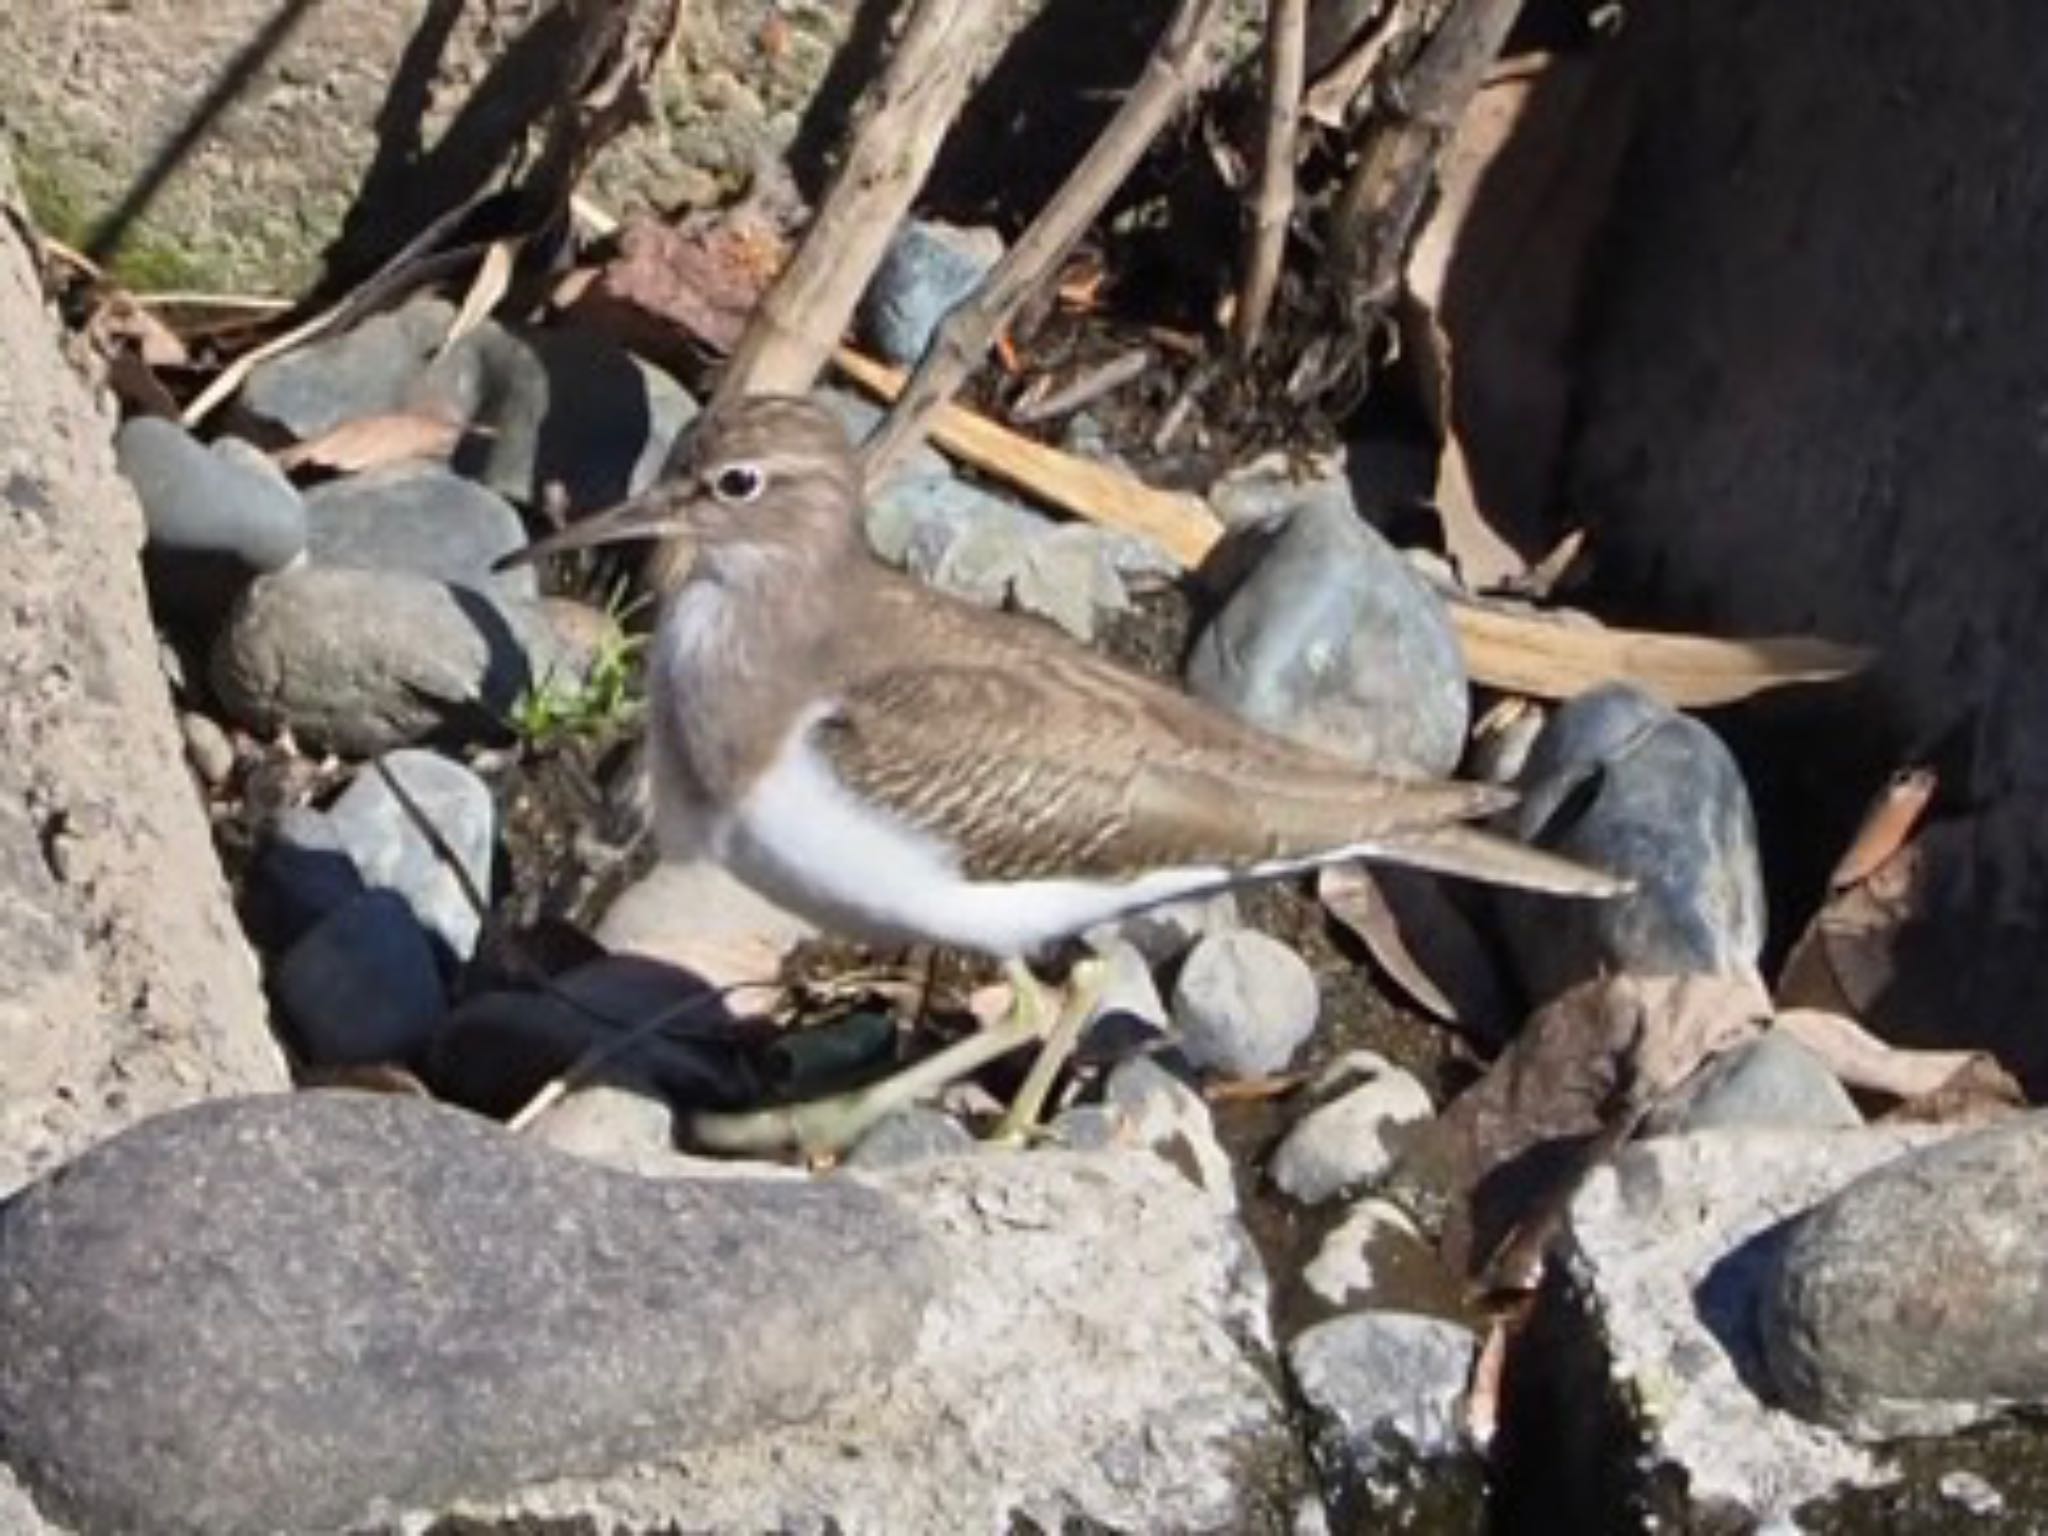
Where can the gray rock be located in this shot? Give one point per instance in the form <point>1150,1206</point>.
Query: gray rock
<point>1128,1012</point>
<point>1914,1301</point>
<point>1245,1003</point>
<point>911,1135</point>
<point>1346,1144</point>
<point>229,501</point>
<point>368,370</point>
<point>1333,640</point>
<point>363,986</point>
<point>1653,1340</point>
<point>360,1301</point>
<point>1622,782</point>
<point>928,269</point>
<point>1091,1361</point>
<point>1157,1111</point>
<point>1388,1393</point>
<point>360,662</point>
<point>860,416</point>
<point>300,874</point>
<point>700,920</point>
<point>420,518</point>
<point>619,1122</point>
<point>562,407</point>
<point>128,987</point>
<point>393,854</point>
<point>1165,933</point>
<point>1773,1080</point>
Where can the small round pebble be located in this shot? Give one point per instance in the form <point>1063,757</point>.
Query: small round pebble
<point>1245,1004</point>
<point>207,748</point>
<point>1773,1080</point>
<point>1375,1236</point>
<point>928,268</point>
<point>1384,1383</point>
<point>420,518</point>
<point>1346,1144</point>
<point>230,500</point>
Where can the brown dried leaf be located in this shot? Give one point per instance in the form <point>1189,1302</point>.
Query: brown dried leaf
<point>1861,1060</point>
<point>1424,943</point>
<point>369,441</point>
<point>1541,657</point>
<point>1575,1081</point>
<point>1499,268</point>
<point>489,286</point>
<point>1888,822</point>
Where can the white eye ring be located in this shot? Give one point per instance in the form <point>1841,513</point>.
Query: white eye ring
<point>738,483</point>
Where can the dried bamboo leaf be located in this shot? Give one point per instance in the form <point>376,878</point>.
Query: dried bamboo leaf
<point>369,441</point>
<point>493,279</point>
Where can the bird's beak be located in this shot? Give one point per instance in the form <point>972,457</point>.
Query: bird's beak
<point>657,515</point>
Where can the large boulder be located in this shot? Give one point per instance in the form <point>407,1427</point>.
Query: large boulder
<point>125,985</point>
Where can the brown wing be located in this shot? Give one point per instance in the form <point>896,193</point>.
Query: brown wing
<point>1039,758</point>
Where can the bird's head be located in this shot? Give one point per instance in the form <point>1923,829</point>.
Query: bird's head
<point>771,478</point>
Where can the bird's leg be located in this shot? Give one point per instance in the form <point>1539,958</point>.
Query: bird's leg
<point>1084,987</point>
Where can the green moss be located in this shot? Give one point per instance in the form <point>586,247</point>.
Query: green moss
<point>144,262</point>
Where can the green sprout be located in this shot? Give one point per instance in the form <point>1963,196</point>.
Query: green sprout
<point>602,702</point>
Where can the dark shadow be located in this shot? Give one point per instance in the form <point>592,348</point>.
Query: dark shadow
<point>829,115</point>
<point>408,185</point>
<point>499,1049</point>
<point>1726,1299</point>
<point>1022,131</point>
<point>107,236</point>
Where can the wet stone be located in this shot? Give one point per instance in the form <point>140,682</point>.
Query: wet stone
<point>300,874</point>
<point>1624,783</point>
<point>419,518</point>
<point>224,500</point>
<point>1376,1246</point>
<point>928,269</point>
<point>1387,1390</point>
<point>1350,1143</point>
<point>360,1304</point>
<point>393,853</point>
<point>1914,1301</point>
<point>1334,641</point>
<point>1245,1004</point>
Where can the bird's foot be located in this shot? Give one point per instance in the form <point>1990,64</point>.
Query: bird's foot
<point>1084,989</point>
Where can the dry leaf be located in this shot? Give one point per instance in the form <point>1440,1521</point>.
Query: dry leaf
<point>1530,654</point>
<point>1498,269</point>
<point>1888,822</point>
<point>121,324</point>
<point>1424,943</point>
<point>493,278</point>
<point>1861,1060</point>
<point>369,441</point>
<point>1574,1082</point>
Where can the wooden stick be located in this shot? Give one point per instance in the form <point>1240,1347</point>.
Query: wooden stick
<point>944,48</point>
<point>1180,65</point>
<point>1273,205</point>
<point>1179,523</point>
<point>1377,213</point>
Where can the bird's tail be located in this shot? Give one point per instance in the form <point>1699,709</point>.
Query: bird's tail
<point>1476,854</point>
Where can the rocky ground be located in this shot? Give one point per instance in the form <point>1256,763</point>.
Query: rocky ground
<point>1595,1229</point>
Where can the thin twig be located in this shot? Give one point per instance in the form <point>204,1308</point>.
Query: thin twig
<point>1180,65</point>
<point>1043,401</point>
<point>1273,205</point>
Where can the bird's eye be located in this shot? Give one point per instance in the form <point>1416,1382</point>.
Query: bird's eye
<point>738,482</point>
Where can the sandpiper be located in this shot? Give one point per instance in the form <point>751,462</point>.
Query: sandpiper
<point>894,764</point>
